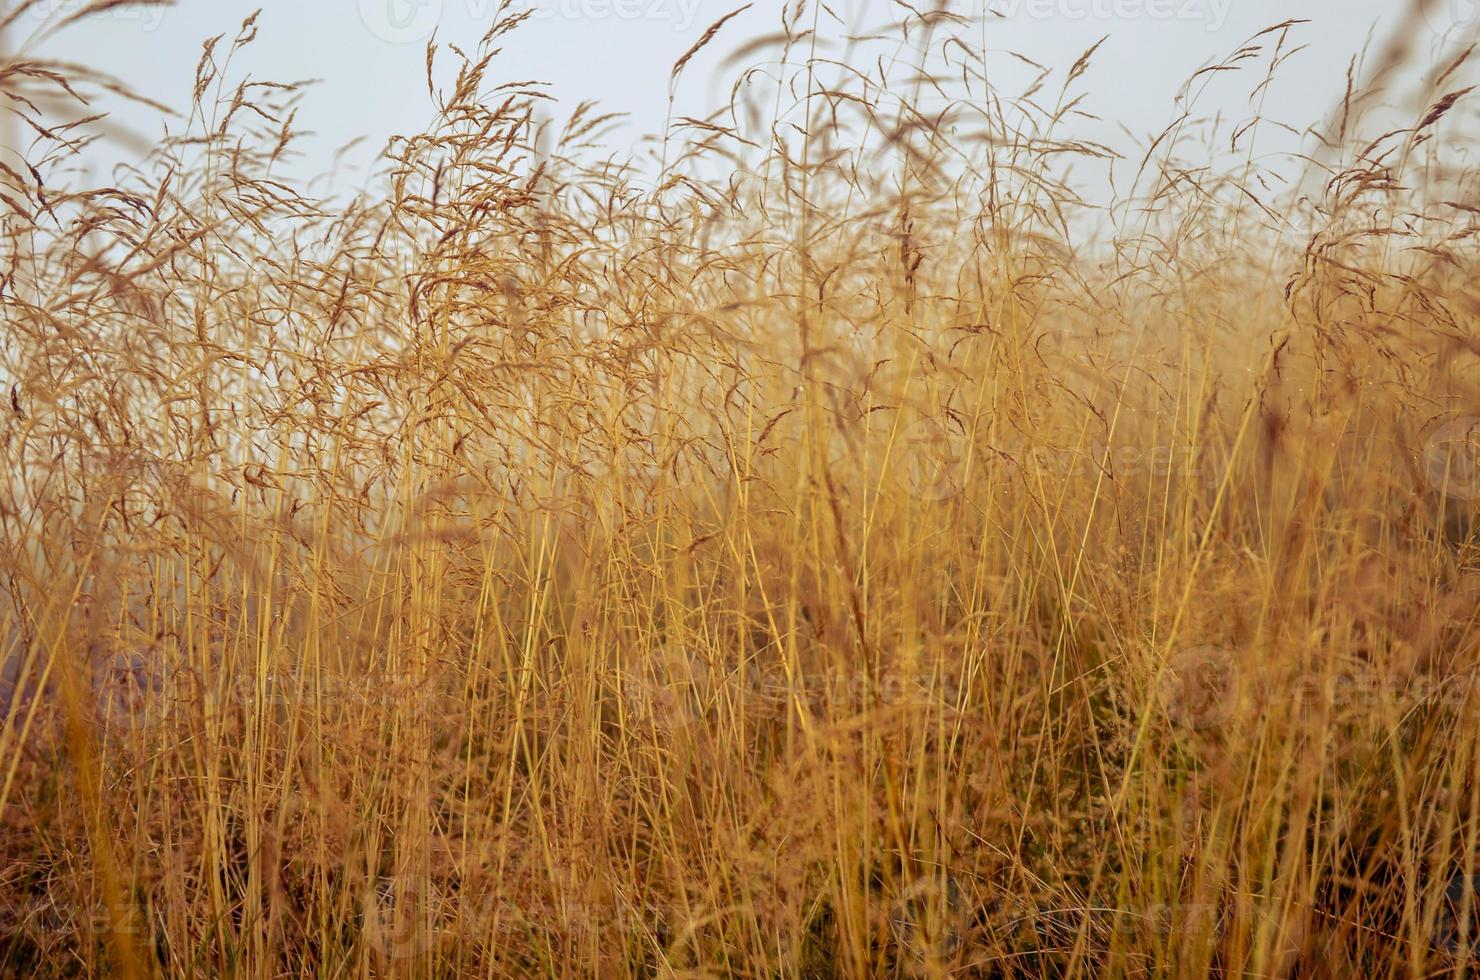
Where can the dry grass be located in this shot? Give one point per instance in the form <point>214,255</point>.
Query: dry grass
<point>878,562</point>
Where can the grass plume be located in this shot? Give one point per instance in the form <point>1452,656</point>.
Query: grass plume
<point>864,552</point>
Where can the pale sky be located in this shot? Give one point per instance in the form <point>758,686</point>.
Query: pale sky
<point>370,54</point>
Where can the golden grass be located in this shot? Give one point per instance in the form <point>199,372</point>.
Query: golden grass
<point>878,562</point>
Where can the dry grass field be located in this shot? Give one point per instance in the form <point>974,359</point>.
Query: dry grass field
<point>842,549</point>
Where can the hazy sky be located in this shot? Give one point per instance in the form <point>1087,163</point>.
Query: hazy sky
<point>370,54</point>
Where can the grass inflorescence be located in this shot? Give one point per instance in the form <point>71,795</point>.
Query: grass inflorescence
<point>843,545</point>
